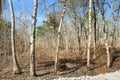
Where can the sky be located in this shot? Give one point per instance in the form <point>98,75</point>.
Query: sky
<point>27,6</point>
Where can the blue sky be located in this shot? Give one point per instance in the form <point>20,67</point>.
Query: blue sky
<point>27,6</point>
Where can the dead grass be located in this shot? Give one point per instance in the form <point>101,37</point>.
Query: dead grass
<point>71,64</point>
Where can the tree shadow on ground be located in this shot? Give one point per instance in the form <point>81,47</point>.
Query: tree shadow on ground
<point>43,74</point>
<point>115,55</point>
<point>69,65</point>
<point>44,65</point>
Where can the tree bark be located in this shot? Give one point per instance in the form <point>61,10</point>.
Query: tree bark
<point>58,40</point>
<point>89,35</point>
<point>32,40</point>
<point>106,43</point>
<point>114,36</point>
<point>67,45</point>
<point>95,39</point>
<point>16,68</point>
<point>79,40</point>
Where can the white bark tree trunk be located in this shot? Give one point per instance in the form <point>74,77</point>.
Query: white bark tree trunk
<point>89,35</point>
<point>16,68</point>
<point>32,40</point>
<point>58,40</point>
<point>106,46</point>
<point>67,45</point>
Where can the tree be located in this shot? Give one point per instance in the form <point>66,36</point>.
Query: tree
<point>32,40</point>
<point>89,36</point>
<point>5,36</point>
<point>58,39</point>
<point>116,16</point>
<point>52,22</point>
<point>16,68</point>
<point>95,20</point>
<point>73,11</point>
<point>101,6</point>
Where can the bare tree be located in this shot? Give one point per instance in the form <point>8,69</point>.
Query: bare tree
<point>16,68</point>
<point>101,6</point>
<point>32,40</point>
<point>58,39</point>
<point>89,36</point>
<point>115,33</point>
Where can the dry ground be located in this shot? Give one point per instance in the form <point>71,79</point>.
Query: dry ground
<point>71,64</point>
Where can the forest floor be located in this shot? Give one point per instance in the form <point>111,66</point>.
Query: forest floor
<point>70,64</point>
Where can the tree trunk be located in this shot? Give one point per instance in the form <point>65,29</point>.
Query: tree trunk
<point>85,37</point>
<point>16,68</point>
<point>58,40</point>
<point>94,55</point>
<point>98,39</point>
<point>89,35</point>
<point>32,40</point>
<point>67,45</point>
<point>106,43</point>
<point>117,31</point>
<point>114,36</point>
<point>79,39</point>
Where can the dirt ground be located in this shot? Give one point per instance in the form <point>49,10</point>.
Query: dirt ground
<point>71,64</point>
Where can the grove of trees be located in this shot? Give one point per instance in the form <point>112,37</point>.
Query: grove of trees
<point>78,27</point>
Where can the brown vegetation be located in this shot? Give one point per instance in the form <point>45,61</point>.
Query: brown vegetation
<point>75,39</point>
<point>71,65</point>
